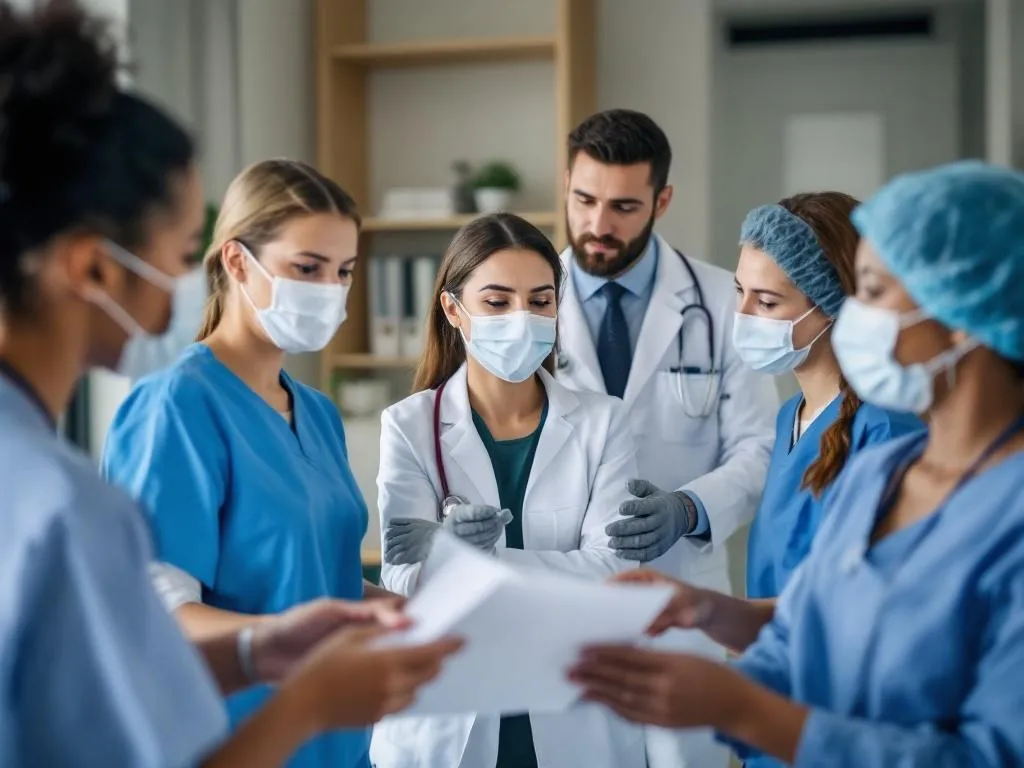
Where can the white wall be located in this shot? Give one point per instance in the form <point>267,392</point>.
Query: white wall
<point>1005,86</point>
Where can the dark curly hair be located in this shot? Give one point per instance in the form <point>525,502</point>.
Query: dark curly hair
<point>77,153</point>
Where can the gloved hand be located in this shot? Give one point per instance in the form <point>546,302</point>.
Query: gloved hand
<point>407,539</point>
<point>655,520</point>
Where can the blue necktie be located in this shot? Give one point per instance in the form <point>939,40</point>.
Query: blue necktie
<point>613,348</point>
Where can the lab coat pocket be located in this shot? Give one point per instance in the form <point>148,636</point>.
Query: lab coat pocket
<point>684,405</point>
<point>552,529</point>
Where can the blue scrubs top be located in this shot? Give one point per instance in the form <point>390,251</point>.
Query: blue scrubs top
<point>93,671</point>
<point>788,516</point>
<point>910,651</point>
<point>265,516</point>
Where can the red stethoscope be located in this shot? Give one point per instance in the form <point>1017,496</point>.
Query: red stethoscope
<point>449,500</point>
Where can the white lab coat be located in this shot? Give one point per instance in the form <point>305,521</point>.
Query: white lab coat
<point>584,458</point>
<point>722,459</point>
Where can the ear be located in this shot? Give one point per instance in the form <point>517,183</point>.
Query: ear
<point>87,266</point>
<point>235,261</point>
<point>568,177</point>
<point>662,202</point>
<point>451,310</point>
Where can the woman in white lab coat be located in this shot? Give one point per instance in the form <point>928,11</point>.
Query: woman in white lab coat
<point>539,471</point>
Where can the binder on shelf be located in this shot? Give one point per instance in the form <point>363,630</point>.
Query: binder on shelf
<point>419,274</point>
<point>385,306</point>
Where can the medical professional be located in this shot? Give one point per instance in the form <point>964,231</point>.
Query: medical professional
<point>796,268</point>
<point>243,471</point>
<point>900,638</point>
<point>533,470</point>
<point>99,203</point>
<point>652,326</point>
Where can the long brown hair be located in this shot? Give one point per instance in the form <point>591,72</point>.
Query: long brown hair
<point>828,214</point>
<point>444,350</point>
<point>260,201</point>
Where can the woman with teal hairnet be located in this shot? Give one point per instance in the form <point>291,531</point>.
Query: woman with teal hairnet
<point>900,639</point>
<point>795,270</point>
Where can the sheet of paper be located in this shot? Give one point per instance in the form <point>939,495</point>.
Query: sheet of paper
<point>523,632</point>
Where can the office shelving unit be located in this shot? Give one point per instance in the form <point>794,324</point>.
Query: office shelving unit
<point>344,60</point>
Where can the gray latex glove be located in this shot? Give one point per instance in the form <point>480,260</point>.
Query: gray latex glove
<point>407,539</point>
<point>655,520</point>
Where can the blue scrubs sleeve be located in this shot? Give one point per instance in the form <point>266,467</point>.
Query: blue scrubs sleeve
<point>989,732</point>
<point>103,676</point>
<point>164,449</point>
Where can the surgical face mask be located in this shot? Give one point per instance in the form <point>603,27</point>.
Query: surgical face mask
<point>301,317</point>
<point>119,314</point>
<point>864,342</point>
<point>511,346</point>
<point>766,344</point>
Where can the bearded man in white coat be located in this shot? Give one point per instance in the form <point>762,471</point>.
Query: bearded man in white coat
<point>645,323</point>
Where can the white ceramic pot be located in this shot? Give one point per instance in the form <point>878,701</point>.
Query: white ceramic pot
<point>492,199</point>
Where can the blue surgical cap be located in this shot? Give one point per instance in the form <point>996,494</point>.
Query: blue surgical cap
<point>954,237</point>
<point>792,244</point>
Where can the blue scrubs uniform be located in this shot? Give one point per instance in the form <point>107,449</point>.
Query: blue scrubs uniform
<point>93,670</point>
<point>264,516</point>
<point>788,516</point>
<point>910,651</point>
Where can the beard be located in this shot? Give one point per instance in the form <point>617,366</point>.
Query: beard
<point>611,263</point>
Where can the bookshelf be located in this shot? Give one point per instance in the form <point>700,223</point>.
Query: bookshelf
<point>345,62</point>
<point>345,58</point>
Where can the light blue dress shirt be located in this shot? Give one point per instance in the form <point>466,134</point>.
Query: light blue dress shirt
<point>639,285</point>
<point>93,669</point>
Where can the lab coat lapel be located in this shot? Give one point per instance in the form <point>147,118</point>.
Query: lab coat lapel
<point>461,445</point>
<point>662,320</point>
<point>576,345</point>
<point>556,431</point>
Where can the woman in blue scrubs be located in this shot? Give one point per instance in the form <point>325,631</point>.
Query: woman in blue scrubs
<point>900,638</point>
<point>242,470</point>
<point>796,268</point>
<point>100,205</point>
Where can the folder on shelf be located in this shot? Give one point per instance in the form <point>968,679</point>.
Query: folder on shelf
<point>385,305</point>
<point>420,273</point>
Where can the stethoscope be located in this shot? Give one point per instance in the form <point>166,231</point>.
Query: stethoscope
<point>694,407</point>
<point>448,500</point>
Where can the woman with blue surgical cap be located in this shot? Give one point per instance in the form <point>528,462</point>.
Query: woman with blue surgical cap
<point>243,471</point>
<point>100,203</point>
<point>795,270</point>
<point>900,638</point>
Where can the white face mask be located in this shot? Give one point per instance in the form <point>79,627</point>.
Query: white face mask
<point>511,346</point>
<point>864,342</point>
<point>766,344</point>
<point>301,317</point>
<point>119,314</point>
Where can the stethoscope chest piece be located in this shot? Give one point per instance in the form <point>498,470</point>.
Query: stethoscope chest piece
<point>449,504</point>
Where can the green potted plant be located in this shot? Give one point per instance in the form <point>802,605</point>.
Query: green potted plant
<point>494,186</point>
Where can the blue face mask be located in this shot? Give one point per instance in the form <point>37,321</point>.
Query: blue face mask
<point>511,346</point>
<point>864,342</point>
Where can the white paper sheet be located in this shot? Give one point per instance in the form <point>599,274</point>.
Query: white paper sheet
<point>523,632</point>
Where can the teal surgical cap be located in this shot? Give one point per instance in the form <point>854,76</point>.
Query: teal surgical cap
<point>954,237</point>
<point>792,244</point>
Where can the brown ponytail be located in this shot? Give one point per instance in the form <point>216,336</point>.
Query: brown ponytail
<point>828,214</point>
<point>835,444</point>
<point>260,201</point>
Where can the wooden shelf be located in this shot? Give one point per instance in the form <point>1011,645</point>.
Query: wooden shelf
<point>446,51</point>
<point>370,362</point>
<point>373,224</point>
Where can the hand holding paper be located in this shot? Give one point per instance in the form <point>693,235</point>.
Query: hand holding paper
<point>522,632</point>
